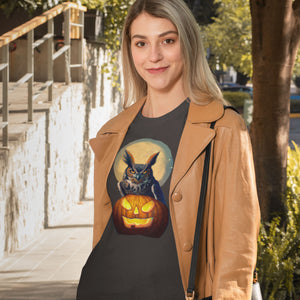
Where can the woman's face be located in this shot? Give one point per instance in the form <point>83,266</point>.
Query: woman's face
<point>156,52</point>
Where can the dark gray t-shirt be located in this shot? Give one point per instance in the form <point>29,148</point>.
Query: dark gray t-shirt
<point>136,258</point>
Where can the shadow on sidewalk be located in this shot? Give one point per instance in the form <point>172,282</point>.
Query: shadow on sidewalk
<point>65,290</point>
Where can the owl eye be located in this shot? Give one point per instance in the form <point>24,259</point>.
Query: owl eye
<point>145,172</point>
<point>126,204</point>
<point>148,206</point>
<point>131,171</point>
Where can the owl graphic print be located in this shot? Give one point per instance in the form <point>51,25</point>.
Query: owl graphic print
<point>141,167</point>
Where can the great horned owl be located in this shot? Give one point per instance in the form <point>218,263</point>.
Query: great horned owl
<point>138,179</point>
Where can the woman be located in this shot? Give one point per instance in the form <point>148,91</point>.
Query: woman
<point>148,170</point>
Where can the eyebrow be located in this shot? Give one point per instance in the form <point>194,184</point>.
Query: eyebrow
<point>138,36</point>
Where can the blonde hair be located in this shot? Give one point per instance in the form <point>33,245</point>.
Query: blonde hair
<point>199,82</point>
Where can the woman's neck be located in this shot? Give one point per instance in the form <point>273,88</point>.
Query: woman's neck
<point>159,104</point>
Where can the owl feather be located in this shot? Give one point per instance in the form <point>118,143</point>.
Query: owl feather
<point>138,179</point>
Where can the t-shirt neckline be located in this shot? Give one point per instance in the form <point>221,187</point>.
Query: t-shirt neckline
<point>173,113</point>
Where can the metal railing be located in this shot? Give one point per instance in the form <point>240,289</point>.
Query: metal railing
<point>73,17</point>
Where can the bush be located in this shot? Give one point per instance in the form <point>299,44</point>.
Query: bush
<point>278,245</point>
<point>236,99</point>
<point>295,106</point>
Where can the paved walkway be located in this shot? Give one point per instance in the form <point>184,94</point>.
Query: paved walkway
<point>50,267</point>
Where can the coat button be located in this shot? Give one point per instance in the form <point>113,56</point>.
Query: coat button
<point>187,247</point>
<point>176,197</point>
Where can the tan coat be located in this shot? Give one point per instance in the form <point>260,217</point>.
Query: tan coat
<point>231,217</point>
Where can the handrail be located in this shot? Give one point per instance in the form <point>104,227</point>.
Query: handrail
<point>19,31</point>
<point>28,28</point>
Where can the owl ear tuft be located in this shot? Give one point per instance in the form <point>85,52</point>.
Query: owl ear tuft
<point>152,159</point>
<point>128,159</point>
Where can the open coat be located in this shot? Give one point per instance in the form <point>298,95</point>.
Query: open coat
<point>228,244</point>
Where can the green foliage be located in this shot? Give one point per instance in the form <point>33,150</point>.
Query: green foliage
<point>8,7</point>
<point>293,172</point>
<point>204,11</point>
<point>229,37</point>
<point>115,12</point>
<point>279,244</point>
<point>236,99</point>
<point>296,70</point>
<point>94,4</point>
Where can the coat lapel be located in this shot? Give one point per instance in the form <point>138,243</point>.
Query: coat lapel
<point>195,137</point>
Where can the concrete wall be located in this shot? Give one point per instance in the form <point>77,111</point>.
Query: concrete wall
<point>48,168</point>
<point>22,188</point>
<point>107,104</point>
<point>41,170</point>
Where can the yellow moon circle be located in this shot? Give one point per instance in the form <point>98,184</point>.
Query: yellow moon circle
<point>141,150</point>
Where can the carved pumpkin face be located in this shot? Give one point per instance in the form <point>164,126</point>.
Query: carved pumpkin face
<point>139,214</point>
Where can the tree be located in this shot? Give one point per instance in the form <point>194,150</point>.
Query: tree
<point>203,10</point>
<point>28,5</point>
<point>275,41</point>
<point>229,37</point>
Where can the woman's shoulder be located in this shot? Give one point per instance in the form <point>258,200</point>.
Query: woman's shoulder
<point>216,110</point>
<point>231,119</point>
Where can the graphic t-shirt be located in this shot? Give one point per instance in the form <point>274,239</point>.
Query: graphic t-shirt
<point>136,258</point>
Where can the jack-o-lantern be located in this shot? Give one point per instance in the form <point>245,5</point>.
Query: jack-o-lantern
<point>139,214</point>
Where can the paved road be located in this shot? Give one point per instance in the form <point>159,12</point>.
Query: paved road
<point>49,268</point>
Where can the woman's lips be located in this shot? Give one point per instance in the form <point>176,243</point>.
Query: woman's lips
<point>157,70</point>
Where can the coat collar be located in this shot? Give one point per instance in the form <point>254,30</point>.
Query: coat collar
<point>208,113</point>
<point>197,114</point>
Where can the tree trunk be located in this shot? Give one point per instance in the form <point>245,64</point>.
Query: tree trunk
<point>275,40</point>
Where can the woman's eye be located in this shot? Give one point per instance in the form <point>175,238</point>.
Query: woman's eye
<point>140,44</point>
<point>168,41</point>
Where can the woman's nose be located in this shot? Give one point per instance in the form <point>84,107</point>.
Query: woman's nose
<point>155,53</point>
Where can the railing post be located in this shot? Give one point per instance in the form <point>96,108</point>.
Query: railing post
<point>30,58</point>
<point>80,46</point>
<point>67,16</point>
<point>50,59</point>
<point>5,80</point>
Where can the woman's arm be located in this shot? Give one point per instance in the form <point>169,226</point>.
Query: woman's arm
<point>237,214</point>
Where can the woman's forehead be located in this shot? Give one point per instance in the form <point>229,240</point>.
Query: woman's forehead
<point>146,25</point>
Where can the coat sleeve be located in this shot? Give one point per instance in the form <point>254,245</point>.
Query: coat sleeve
<point>236,211</point>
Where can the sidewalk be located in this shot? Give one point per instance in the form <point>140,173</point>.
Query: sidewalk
<point>49,268</point>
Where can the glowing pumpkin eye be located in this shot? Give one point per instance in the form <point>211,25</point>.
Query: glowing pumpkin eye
<point>148,206</point>
<point>126,204</point>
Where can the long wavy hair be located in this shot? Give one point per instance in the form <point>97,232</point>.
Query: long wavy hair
<point>199,82</point>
